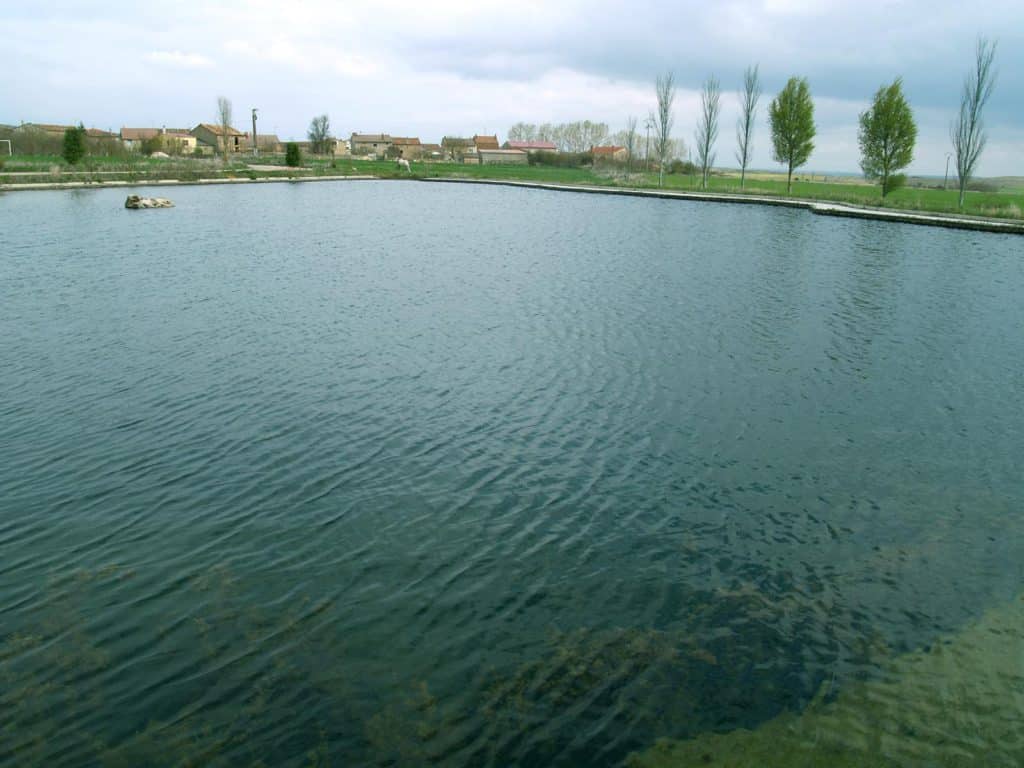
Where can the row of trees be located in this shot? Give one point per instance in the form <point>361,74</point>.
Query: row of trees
<point>579,136</point>
<point>887,132</point>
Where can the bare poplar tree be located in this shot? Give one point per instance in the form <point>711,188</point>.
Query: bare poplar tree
<point>665,90</point>
<point>630,142</point>
<point>968,130</point>
<point>224,121</point>
<point>749,97</point>
<point>707,127</point>
<point>319,134</point>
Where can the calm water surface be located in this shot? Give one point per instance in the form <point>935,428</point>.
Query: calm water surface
<point>409,474</point>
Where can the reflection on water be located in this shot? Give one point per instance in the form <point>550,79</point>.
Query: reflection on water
<point>595,472</point>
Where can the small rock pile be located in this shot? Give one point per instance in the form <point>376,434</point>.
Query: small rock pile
<point>136,202</point>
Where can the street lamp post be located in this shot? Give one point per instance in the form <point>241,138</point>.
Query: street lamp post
<point>945,181</point>
<point>255,150</point>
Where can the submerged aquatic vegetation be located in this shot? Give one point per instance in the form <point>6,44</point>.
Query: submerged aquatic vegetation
<point>736,657</point>
<point>955,704</point>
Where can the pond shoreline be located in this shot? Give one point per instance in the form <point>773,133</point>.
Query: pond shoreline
<point>818,207</point>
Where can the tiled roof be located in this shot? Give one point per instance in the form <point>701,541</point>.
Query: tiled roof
<point>606,150</point>
<point>370,137</point>
<point>216,130</point>
<point>406,141</point>
<point>486,142</point>
<point>138,134</point>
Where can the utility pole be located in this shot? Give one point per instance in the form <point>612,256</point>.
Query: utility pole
<point>945,182</point>
<point>255,150</point>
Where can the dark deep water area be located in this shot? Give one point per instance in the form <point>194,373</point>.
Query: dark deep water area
<point>397,473</point>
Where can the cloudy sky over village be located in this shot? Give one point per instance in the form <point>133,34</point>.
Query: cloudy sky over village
<point>433,68</point>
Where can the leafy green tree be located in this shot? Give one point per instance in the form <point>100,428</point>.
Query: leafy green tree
<point>791,115</point>
<point>292,155</point>
<point>152,144</point>
<point>74,144</point>
<point>887,136</point>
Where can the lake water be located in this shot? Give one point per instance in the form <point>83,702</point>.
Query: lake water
<point>394,473</point>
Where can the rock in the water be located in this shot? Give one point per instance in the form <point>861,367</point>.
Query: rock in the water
<point>134,201</point>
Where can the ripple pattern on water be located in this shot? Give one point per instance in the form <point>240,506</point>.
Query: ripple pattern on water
<point>394,473</point>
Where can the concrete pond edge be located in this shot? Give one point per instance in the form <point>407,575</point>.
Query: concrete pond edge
<point>818,207</point>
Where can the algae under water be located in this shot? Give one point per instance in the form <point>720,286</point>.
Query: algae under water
<point>951,705</point>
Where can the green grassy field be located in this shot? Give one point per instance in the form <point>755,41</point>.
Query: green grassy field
<point>1006,203</point>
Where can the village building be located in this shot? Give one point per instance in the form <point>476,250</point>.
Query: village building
<point>485,142</point>
<point>213,137</point>
<point>531,146</point>
<point>57,131</point>
<point>614,154</point>
<point>178,141</point>
<point>173,141</point>
<point>432,152</point>
<point>132,138</point>
<point>332,147</point>
<point>503,157</point>
<point>456,148</point>
<point>269,144</point>
<point>96,133</point>
<point>376,144</point>
<point>408,147</point>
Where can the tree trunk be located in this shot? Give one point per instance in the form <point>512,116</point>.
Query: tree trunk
<point>743,174</point>
<point>789,180</point>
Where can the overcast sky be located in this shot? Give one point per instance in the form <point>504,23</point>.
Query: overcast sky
<point>433,68</point>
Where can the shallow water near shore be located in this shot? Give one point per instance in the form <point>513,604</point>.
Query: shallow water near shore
<point>397,473</point>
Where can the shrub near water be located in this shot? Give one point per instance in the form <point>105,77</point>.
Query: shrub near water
<point>292,155</point>
<point>74,144</point>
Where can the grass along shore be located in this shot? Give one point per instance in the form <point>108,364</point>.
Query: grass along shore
<point>999,198</point>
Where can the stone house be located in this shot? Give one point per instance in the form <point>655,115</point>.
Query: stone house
<point>376,144</point>
<point>503,157</point>
<point>432,152</point>
<point>408,147</point>
<point>613,154</point>
<point>213,136</point>
<point>485,142</point>
<point>531,146</point>
<point>456,148</point>
<point>173,141</point>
